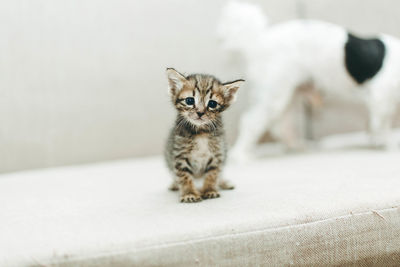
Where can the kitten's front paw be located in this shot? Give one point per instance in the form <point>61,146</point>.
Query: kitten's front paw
<point>190,198</point>
<point>210,194</point>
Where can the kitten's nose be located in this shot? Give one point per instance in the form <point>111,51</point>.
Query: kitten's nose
<point>200,114</point>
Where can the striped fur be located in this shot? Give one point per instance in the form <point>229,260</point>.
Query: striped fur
<point>196,146</point>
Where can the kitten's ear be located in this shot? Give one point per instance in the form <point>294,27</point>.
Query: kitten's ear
<point>230,90</point>
<point>175,81</point>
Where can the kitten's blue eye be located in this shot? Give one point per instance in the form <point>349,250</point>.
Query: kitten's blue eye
<point>212,104</point>
<point>189,101</point>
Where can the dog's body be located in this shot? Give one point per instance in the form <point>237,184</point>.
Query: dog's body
<point>282,57</point>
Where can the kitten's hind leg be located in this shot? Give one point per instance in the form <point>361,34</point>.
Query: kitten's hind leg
<point>174,186</point>
<point>226,184</point>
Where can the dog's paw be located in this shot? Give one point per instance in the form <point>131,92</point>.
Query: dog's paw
<point>190,198</point>
<point>210,194</point>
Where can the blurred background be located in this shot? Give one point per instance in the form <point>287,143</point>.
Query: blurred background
<point>84,80</point>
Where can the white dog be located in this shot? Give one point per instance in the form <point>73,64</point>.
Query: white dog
<point>282,57</point>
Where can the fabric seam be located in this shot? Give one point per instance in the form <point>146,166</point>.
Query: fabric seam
<point>221,236</point>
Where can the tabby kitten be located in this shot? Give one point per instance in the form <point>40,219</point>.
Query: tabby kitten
<point>196,146</point>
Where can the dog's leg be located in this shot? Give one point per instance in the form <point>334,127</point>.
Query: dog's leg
<point>260,118</point>
<point>253,124</point>
<point>380,124</point>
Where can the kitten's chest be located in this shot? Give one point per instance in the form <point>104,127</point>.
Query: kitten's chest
<point>201,154</point>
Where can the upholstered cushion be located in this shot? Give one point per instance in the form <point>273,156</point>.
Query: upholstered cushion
<point>324,208</point>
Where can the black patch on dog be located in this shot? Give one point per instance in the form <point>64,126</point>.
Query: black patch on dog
<point>363,57</point>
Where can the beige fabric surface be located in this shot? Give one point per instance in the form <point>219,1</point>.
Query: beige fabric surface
<point>313,209</point>
<point>362,239</point>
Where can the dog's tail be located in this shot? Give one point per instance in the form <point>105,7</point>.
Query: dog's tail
<point>247,11</point>
<point>245,18</point>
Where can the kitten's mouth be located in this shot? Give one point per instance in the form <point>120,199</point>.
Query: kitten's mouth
<point>198,121</point>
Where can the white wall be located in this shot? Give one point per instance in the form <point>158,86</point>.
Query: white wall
<point>83,80</point>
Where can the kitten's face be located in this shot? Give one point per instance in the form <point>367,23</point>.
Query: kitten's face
<point>200,98</point>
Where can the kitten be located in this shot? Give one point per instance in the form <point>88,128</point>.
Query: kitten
<point>196,147</point>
